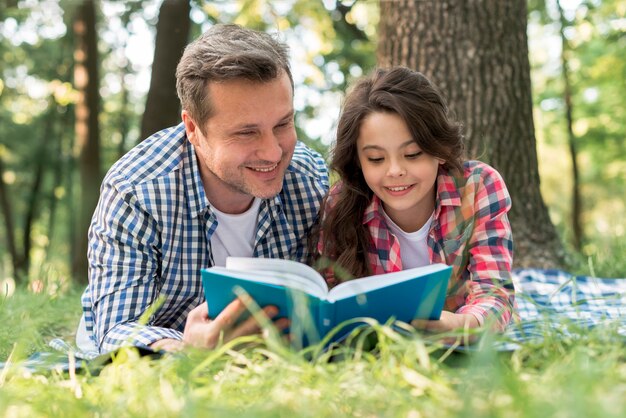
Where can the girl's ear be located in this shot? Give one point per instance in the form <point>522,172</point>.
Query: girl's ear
<point>441,161</point>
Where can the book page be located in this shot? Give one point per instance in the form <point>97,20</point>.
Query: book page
<point>287,280</point>
<point>285,268</point>
<point>366,284</point>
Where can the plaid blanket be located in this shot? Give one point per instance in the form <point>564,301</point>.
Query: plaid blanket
<point>551,300</point>
<point>547,300</point>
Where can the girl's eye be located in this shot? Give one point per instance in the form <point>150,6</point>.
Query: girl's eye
<point>375,160</point>
<point>413,155</point>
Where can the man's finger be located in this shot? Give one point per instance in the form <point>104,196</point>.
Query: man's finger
<point>200,312</point>
<point>230,314</point>
<point>251,325</point>
<point>282,324</point>
<point>248,327</point>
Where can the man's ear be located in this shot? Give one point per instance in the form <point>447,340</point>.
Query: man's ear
<point>191,128</point>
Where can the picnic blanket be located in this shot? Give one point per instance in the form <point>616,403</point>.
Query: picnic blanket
<point>556,300</point>
<point>547,300</point>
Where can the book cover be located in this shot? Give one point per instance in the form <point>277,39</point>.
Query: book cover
<point>301,294</point>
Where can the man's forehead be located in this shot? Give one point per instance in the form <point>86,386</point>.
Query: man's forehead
<point>243,100</point>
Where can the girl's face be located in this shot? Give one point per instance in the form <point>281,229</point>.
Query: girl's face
<point>396,170</point>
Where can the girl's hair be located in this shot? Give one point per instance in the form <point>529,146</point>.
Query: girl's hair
<point>410,95</point>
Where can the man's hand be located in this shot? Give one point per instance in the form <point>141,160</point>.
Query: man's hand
<point>448,322</point>
<point>203,332</point>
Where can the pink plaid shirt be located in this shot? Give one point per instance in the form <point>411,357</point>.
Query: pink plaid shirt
<point>470,232</point>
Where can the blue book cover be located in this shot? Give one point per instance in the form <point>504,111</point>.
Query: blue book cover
<point>301,294</point>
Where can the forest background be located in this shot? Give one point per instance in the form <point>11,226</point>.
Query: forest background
<point>78,90</point>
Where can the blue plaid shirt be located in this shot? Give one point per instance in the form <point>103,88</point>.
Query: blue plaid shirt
<point>150,236</point>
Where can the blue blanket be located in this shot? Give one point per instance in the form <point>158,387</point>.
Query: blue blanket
<point>555,300</point>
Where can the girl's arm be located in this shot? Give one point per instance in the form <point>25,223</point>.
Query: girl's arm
<point>490,288</point>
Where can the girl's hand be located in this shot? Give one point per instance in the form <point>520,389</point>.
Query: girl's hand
<point>448,322</point>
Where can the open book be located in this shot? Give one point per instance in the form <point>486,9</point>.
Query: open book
<point>300,293</point>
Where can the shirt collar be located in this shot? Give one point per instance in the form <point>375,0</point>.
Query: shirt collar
<point>373,210</point>
<point>447,189</point>
<point>197,202</point>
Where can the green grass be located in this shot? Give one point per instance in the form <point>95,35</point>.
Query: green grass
<point>28,320</point>
<point>603,258</point>
<point>580,375</point>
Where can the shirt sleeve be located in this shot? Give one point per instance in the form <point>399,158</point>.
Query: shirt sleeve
<point>123,270</point>
<point>491,293</point>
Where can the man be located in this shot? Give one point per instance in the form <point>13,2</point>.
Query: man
<point>230,180</point>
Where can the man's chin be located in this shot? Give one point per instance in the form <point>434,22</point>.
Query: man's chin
<point>266,191</point>
<point>266,194</point>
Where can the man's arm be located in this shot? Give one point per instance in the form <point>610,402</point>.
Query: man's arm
<point>123,257</point>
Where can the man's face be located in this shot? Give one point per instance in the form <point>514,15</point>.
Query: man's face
<point>247,143</point>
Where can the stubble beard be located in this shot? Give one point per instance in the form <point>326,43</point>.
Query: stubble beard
<point>236,181</point>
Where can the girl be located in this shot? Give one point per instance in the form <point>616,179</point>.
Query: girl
<point>406,198</point>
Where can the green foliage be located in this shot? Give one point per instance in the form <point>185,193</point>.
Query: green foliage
<point>597,57</point>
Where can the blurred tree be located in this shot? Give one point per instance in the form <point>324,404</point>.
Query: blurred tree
<point>32,67</point>
<point>477,53</point>
<point>591,67</point>
<point>577,230</point>
<point>87,147</point>
<point>172,34</point>
<point>17,263</point>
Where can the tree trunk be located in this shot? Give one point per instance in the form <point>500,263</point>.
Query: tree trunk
<point>9,225</point>
<point>123,121</point>
<point>41,161</point>
<point>477,53</point>
<point>87,148</point>
<point>162,105</point>
<point>577,230</point>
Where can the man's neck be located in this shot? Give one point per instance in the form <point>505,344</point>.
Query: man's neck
<point>223,197</point>
<point>230,202</point>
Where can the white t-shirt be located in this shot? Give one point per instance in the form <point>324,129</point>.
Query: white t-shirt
<point>235,234</point>
<point>413,245</point>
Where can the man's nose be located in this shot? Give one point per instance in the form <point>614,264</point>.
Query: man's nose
<point>269,148</point>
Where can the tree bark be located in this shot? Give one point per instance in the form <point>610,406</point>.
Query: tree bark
<point>476,51</point>
<point>87,149</point>
<point>162,105</point>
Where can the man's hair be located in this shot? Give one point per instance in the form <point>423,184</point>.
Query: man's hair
<point>227,52</point>
<point>410,95</point>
